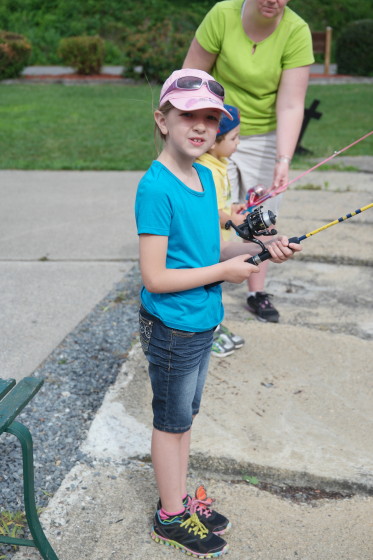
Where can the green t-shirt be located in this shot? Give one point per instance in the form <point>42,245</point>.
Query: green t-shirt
<point>250,76</point>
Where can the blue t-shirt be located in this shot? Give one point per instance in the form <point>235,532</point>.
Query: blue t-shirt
<point>166,206</point>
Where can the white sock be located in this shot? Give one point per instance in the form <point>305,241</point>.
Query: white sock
<point>249,294</point>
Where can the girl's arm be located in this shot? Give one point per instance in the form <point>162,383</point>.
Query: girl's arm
<point>159,279</point>
<point>198,57</point>
<point>233,268</point>
<point>278,247</point>
<point>290,113</point>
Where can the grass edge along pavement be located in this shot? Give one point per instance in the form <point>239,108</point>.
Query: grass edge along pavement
<point>111,127</point>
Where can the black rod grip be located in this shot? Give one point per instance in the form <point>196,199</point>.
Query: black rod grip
<point>294,240</point>
<point>213,284</point>
<point>257,259</point>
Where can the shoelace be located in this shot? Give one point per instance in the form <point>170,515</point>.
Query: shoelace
<point>264,299</point>
<point>202,506</point>
<point>194,525</point>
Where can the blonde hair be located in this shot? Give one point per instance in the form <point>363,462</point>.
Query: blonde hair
<point>164,109</point>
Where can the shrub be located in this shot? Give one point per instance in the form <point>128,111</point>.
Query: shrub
<point>354,49</point>
<point>15,52</point>
<point>85,54</point>
<point>113,54</point>
<point>156,50</point>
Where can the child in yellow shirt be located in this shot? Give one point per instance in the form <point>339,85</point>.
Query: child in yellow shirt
<point>216,159</point>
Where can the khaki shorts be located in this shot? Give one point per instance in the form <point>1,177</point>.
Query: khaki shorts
<point>253,164</point>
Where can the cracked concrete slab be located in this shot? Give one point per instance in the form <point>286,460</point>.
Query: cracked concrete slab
<point>293,406</point>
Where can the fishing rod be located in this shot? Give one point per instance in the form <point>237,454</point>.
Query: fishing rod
<point>257,195</point>
<point>342,219</point>
<point>265,254</point>
<point>257,224</point>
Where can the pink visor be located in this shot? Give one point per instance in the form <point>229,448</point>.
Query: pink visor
<point>191,89</point>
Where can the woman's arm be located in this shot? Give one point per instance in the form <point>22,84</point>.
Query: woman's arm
<point>198,57</point>
<point>290,113</point>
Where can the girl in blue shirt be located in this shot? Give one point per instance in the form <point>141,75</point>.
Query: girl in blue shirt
<point>181,253</point>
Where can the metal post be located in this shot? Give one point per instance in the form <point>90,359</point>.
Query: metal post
<point>40,541</point>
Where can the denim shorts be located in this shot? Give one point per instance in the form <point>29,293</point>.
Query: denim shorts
<point>178,364</point>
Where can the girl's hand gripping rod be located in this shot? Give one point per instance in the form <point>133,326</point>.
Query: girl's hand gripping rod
<point>270,217</point>
<point>258,222</point>
<point>255,224</point>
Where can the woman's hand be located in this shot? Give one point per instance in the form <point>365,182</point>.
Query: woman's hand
<point>281,174</point>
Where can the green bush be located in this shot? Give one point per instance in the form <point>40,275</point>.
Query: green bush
<point>335,13</point>
<point>354,49</point>
<point>85,54</point>
<point>15,53</point>
<point>156,50</point>
<point>113,54</point>
<point>46,22</point>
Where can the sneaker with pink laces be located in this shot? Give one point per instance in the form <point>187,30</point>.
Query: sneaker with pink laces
<point>201,505</point>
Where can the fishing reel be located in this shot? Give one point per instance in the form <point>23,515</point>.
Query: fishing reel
<point>256,224</point>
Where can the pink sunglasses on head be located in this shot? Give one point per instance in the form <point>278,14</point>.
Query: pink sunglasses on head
<point>190,83</point>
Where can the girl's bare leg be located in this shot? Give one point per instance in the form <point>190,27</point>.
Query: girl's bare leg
<point>185,451</point>
<point>170,454</point>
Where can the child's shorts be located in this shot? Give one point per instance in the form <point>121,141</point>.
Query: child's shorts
<point>178,364</point>
<point>253,164</point>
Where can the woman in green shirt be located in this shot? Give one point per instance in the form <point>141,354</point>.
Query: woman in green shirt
<point>260,51</point>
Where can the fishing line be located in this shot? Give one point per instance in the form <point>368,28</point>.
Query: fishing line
<point>283,188</point>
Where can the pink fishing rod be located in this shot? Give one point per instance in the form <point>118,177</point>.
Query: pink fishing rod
<point>281,189</point>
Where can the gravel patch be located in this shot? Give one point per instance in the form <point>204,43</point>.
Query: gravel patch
<point>76,377</point>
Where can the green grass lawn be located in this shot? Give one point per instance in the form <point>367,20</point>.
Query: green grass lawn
<point>110,127</point>
<point>347,115</point>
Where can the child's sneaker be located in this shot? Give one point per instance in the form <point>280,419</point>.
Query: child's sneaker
<point>211,519</point>
<point>260,305</point>
<point>237,340</point>
<point>222,345</point>
<point>220,349</point>
<point>187,532</point>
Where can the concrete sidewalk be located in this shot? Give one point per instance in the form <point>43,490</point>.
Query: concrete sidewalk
<point>54,70</point>
<point>113,74</point>
<point>65,240</point>
<point>292,407</point>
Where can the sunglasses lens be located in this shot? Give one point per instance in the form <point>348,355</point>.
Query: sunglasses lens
<point>192,82</point>
<point>189,82</point>
<point>216,88</point>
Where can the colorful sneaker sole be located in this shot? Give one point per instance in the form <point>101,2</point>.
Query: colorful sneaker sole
<point>221,354</point>
<point>223,531</point>
<point>168,542</point>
